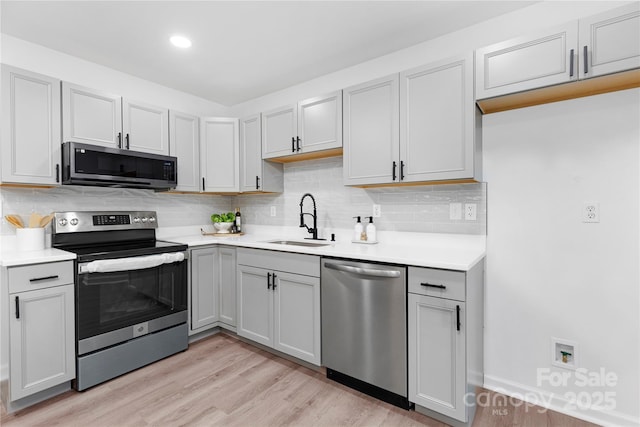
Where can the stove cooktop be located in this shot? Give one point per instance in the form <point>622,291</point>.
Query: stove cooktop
<point>124,249</point>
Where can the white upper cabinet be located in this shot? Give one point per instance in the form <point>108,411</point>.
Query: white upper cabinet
<point>256,174</point>
<point>94,117</point>
<point>219,154</point>
<point>371,132</point>
<point>30,124</point>
<point>419,126</point>
<point>437,121</point>
<point>320,123</point>
<point>311,125</point>
<point>610,41</point>
<point>184,143</point>
<point>146,127</point>
<point>279,129</point>
<point>90,116</point>
<point>594,46</point>
<point>542,59</point>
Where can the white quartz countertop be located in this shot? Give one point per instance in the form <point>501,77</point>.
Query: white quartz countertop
<point>11,257</point>
<point>445,251</point>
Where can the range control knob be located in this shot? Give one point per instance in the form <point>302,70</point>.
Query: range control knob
<point>144,219</point>
<point>152,219</point>
<point>62,222</point>
<point>74,221</point>
<point>136,219</point>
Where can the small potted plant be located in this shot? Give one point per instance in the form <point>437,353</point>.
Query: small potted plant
<point>223,222</point>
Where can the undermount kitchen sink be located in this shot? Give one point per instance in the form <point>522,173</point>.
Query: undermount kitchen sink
<point>297,243</point>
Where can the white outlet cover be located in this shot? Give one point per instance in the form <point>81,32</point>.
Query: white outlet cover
<point>273,211</point>
<point>376,211</point>
<point>591,212</point>
<point>470,211</point>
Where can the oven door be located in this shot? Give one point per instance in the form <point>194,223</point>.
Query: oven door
<point>120,299</point>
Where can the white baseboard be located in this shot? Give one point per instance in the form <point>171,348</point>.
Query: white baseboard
<point>558,403</point>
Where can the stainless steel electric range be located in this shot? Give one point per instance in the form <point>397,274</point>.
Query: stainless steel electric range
<point>131,292</point>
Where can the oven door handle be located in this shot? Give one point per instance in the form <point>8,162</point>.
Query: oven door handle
<point>128,264</point>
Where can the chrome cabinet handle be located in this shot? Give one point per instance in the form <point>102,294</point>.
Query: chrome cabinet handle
<point>362,271</point>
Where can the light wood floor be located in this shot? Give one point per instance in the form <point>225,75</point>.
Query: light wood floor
<point>223,381</point>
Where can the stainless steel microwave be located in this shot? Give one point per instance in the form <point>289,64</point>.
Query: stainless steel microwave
<point>85,164</point>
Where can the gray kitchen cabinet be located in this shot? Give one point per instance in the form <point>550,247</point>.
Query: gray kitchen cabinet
<point>212,295</point>
<point>184,143</point>
<point>418,126</point>
<point>279,301</point>
<point>371,132</point>
<point>610,42</point>
<point>204,302</point>
<point>30,124</point>
<point>95,117</point>
<point>445,329</point>
<point>256,174</point>
<point>311,125</point>
<point>145,126</point>
<point>594,46</point>
<point>439,123</point>
<point>220,154</point>
<point>41,328</point>
<point>227,278</point>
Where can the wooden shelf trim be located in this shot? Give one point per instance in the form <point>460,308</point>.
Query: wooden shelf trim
<point>334,152</point>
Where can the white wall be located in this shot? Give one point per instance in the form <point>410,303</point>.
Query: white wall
<point>40,59</point>
<point>532,18</point>
<point>548,273</point>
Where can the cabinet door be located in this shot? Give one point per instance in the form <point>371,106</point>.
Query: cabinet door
<point>279,131</point>
<point>145,127</point>
<point>184,143</point>
<point>611,41</point>
<point>320,123</point>
<point>91,117</point>
<point>220,154</point>
<point>437,373</point>
<point>204,287</point>
<point>297,316</point>
<point>30,124</point>
<point>529,62</point>
<point>255,305</point>
<point>251,153</point>
<point>371,135</point>
<point>437,121</point>
<point>227,278</point>
<point>42,340</point>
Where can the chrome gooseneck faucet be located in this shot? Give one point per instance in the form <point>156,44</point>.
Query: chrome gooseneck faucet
<point>314,230</point>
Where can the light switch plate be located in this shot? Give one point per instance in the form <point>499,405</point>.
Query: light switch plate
<point>455,211</point>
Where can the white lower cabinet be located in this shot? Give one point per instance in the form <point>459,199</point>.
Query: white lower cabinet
<point>279,301</point>
<point>39,311</point>
<point>213,288</point>
<point>445,324</point>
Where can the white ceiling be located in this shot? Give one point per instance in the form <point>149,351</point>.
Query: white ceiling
<point>241,49</point>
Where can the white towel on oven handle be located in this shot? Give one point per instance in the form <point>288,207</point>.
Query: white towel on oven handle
<point>136,263</point>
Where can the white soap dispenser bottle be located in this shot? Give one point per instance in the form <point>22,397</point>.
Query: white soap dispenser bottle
<point>371,230</point>
<point>357,230</point>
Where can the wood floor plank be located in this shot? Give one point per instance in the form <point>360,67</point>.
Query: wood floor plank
<point>222,381</point>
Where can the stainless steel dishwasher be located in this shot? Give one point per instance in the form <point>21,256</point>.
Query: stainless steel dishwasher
<point>364,327</point>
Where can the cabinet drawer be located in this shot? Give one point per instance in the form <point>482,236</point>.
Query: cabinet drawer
<point>308,265</point>
<point>40,276</point>
<point>437,283</point>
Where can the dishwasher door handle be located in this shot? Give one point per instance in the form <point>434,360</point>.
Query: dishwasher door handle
<point>362,271</point>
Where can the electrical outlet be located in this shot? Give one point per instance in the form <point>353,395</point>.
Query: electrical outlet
<point>455,211</point>
<point>470,211</point>
<point>591,212</point>
<point>377,213</point>
<point>273,211</point>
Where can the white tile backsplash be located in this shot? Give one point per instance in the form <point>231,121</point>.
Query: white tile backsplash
<point>419,208</point>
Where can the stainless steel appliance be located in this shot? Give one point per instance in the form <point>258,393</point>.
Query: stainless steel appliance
<point>131,292</point>
<point>85,164</point>
<point>364,327</point>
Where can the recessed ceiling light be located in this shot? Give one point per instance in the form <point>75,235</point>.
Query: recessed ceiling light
<point>180,41</point>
